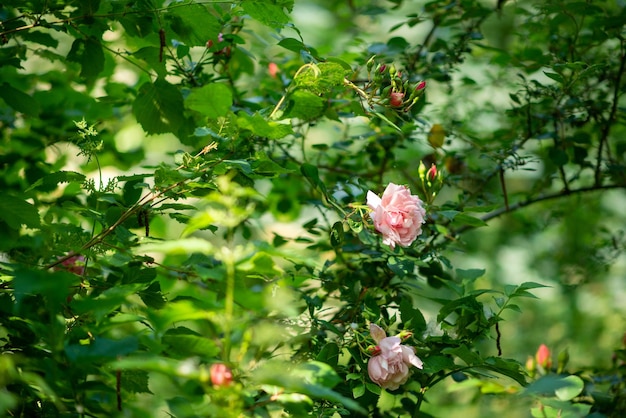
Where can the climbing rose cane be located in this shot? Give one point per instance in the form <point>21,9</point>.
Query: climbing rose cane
<point>398,216</point>
<point>389,368</point>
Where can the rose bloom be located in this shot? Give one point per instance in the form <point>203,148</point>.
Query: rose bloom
<point>390,368</point>
<point>398,216</point>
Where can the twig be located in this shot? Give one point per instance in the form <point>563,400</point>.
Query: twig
<point>538,199</point>
<point>606,129</point>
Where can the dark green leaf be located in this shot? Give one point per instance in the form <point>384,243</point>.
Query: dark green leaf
<point>101,348</point>
<point>265,12</point>
<point>159,107</point>
<point>88,53</point>
<point>212,100</point>
<point>53,179</point>
<point>17,212</point>
<point>19,100</point>
<point>192,24</point>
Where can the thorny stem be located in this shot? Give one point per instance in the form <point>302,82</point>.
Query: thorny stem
<point>606,129</point>
<point>538,199</point>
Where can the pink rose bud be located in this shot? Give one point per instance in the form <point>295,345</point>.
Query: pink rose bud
<point>373,350</point>
<point>543,357</point>
<point>398,215</point>
<point>432,173</point>
<point>272,69</point>
<point>396,99</point>
<point>391,368</point>
<point>420,86</point>
<point>220,374</point>
<point>382,68</point>
<point>405,335</point>
<point>75,264</point>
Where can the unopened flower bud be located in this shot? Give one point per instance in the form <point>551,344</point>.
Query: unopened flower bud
<point>382,68</point>
<point>562,361</point>
<point>420,86</point>
<point>272,69</point>
<point>392,70</point>
<point>543,357</point>
<point>370,63</point>
<point>373,350</point>
<point>432,173</point>
<point>220,375</point>
<point>396,99</point>
<point>405,335</point>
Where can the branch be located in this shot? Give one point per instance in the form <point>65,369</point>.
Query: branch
<point>606,129</point>
<point>541,198</point>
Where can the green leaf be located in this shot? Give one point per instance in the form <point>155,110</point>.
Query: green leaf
<point>152,296</point>
<point>312,174</point>
<point>192,24</point>
<point>17,212</point>
<point>183,342</point>
<point>470,275</point>
<point>412,318</point>
<point>135,381</point>
<point>313,379</point>
<point>88,53</point>
<point>212,100</point>
<point>106,302</point>
<point>506,367</point>
<point>464,353</point>
<point>265,12</point>
<point>305,105</point>
<point>159,107</point>
<point>554,76</point>
<point>152,56</point>
<point>435,364</point>
<point>558,156</point>
<point>18,100</point>
<point>53,179</point>
<point>463,219</point>
<point>564,388</point>
<point>259,126</point>
<point>292,44</point>
<point>337,235</point>
<point>521,290</point>
<point>389,122</point>
<point>55,286</point>
<point>358,391</point>
<point>329,354</point>
<point>101,348</point>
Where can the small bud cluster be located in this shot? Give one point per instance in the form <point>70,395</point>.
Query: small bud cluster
<point>541,362</point>
<point>430,181</point>
<point>222,47</point>
<point>387,86</point>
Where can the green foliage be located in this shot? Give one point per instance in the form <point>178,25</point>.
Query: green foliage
<point>184,205</point>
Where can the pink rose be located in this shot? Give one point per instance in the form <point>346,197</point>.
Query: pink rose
<point>390,367</point>
<point>398,215</point>
<point>220,374</point>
